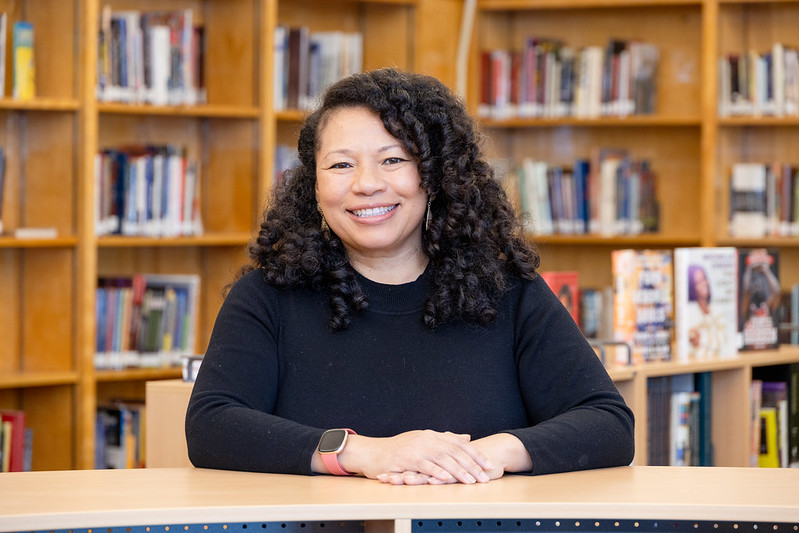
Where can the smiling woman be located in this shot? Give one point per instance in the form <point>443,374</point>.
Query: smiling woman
<point>391,323</point>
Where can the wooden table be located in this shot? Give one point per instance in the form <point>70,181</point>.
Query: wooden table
<point>179,500</point>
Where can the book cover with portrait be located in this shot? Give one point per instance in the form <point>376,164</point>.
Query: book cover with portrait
<point>759,298</point>
<point>706,302</point>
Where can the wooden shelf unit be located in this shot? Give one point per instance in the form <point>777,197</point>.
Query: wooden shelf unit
<point>47,286</point>
<point>691,149</point>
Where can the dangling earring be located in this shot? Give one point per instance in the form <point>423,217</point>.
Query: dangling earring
<point>325,227</point>
<point>428,215</point>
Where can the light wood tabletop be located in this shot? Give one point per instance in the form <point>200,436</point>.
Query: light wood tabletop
<point>34,501</point>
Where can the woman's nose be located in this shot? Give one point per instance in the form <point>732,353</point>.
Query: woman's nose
<point>368,180</point>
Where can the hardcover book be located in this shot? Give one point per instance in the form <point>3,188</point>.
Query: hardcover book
<point>706,305</point>
<point>759,298</point>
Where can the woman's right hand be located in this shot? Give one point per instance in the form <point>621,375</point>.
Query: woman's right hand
<point>446,457</point>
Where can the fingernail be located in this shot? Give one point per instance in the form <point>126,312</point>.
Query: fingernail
<point>469,478</point>
<point>482,476</point>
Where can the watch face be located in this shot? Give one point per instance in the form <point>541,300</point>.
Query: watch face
<point>332,440</point>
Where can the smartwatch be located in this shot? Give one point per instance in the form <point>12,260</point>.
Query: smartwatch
<point>330,445</point>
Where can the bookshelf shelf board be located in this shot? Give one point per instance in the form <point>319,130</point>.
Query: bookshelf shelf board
<point>756,1</point>
<point>58,242</point>
<point>764,121</point>
<point>40,104</point>
<point>138,374</point>
<point>621,374</point>
<point>649,239</point>
<point>784,355</point>
<point>655,121</point>
<point>291,115</point>
<point>37,379</point>
<point>392,2</point>
<point>673,368</point>
<point>202,111</point>
<point>759,242</point>
<point>520,5</point>
<point>210,239</point>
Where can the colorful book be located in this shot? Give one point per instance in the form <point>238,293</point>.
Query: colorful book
<point>643,303</point>
<point>705,302</point>
<point>24,65</point>
<point>759,298</point>
<point>564,285</point>
<point>13,422</point>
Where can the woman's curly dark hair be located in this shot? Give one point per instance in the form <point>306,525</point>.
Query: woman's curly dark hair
<point>474,240</point>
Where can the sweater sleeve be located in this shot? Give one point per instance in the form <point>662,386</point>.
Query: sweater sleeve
<point>578,418</point>
<point>228,421</point>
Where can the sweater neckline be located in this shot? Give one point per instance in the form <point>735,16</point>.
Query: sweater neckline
<point>402,298</point>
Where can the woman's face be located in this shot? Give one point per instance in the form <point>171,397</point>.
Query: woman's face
<point>701,285</point>
<point>368,186</point>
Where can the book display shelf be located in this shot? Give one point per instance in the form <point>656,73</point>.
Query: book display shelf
<point>691,148</point>
<point>48,284</point>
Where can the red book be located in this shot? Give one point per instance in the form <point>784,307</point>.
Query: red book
<point>17,448</point>
<point>564,285</point>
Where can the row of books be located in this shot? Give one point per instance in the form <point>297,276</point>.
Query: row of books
<point>153,57</point>
<point>764,200</point>
<point>151,191</point>
<point>548,78</point>
<point>120,435</point>
<point>23,66</point>
<point>16,441</point>
<point>609,194</point>
<point>305,63</point>
<point>679,420</point>
<point>145,320</point>
<point>685,304</point>
<point>775,416</point>
<point>759,83</point>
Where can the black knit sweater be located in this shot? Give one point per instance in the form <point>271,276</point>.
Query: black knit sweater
<point>275,377</point>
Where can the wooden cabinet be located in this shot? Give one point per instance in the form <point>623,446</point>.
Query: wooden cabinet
<point>691,149</point>
<point>47,286</point>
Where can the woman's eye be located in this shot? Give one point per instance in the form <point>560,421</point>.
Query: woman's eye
<point>393,160</point>
<point>340,165</point>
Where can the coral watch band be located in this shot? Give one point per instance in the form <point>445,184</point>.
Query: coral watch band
<point>330,460</point>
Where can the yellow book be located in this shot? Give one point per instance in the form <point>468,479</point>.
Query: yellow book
<point>24,69</point>
<point>6,442</point>
<point>769,453</point>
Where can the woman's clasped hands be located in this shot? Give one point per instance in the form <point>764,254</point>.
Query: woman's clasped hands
<point>427,457</point>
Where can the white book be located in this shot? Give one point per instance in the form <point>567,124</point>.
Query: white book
<point>705,302</point>
<point>279,66</point>
<point>747,200</point>
<point>607,195</point>
<point>159,59</point>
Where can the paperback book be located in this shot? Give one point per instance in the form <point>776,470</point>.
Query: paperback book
<point>643,303</point>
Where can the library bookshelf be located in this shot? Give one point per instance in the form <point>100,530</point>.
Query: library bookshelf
<point>47,285</point>
<point>691,147</point>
